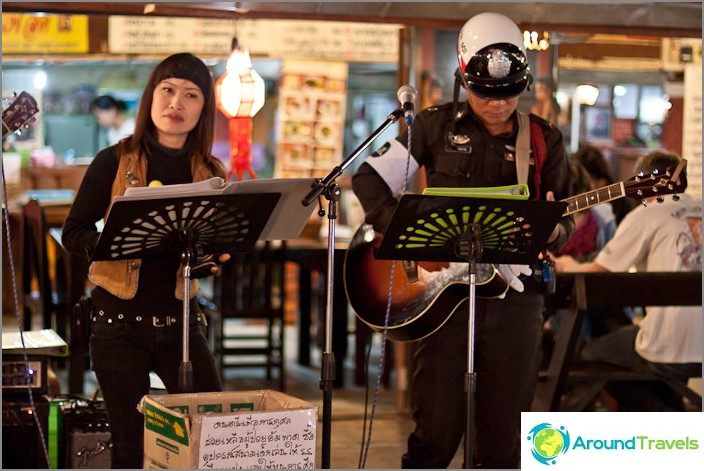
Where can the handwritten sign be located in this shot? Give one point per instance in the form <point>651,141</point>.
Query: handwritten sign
<point>692,127</point>
<point>264,440</point>
<point>352,42</point>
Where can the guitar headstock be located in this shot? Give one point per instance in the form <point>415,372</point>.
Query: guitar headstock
<point>670,182</point>
<point>20,110</point>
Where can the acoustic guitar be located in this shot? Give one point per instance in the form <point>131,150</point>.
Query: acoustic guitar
<point>422,301</point>
<point>18,112</point>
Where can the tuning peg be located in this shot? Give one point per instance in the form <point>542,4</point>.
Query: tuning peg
<point>675,197</point>
<point>660,199</point>
<point>645,203</point>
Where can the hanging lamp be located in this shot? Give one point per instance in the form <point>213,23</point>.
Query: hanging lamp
<point>239,95</point>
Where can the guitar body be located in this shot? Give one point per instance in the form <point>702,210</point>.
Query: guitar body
<point>418,308</point>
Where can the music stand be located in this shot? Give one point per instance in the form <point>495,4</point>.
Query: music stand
<point>193,226</point>
<point>465,229</point>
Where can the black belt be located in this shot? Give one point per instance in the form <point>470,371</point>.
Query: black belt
<point>156,321</point>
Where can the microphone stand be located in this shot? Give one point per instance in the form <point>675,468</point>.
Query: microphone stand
<point>331,191</point>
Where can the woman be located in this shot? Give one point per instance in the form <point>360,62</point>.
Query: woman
<point>137,323</point>
<point>111,114</point>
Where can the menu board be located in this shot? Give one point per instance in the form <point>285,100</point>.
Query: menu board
<point>329,40</point>
<point>312,96</point>
<point>692,127</point>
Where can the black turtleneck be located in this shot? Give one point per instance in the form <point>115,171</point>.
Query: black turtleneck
<point>157,278</point>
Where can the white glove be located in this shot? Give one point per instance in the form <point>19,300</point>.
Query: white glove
<point>511,273</point>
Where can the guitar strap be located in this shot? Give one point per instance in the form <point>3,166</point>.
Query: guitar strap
<point>523,148</point>
<point>530,137</point>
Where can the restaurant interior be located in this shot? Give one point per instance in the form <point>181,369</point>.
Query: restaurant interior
<point>624,78</point>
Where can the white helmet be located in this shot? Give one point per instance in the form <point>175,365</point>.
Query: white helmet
<point>492,57</point>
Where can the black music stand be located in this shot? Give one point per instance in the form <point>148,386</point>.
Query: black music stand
<point>192,226</point>
<point>466,229</point>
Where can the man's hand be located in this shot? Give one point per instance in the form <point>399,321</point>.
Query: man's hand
<point>433,266</point>
<point>511,274</point>
<point>550,196</point>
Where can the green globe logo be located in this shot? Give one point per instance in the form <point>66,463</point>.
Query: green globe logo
<point>548,442</point>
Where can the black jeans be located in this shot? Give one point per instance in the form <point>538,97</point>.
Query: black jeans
<point>506,354</point>
<point>123,354</point>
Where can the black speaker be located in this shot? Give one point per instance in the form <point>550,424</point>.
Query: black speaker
<point>22,446</point>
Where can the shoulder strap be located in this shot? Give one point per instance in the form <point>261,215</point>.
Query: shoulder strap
<point>523,148</point>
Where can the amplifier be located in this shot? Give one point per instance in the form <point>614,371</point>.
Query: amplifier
<point>89,450</point>
<point>87,432</point>
<point>21,440</point>
<point>17,375</point>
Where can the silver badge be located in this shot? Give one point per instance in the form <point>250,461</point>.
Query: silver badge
<point>499,65</point>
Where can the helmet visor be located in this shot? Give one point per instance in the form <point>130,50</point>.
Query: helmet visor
<point>497,91</point>
<point>498,71</point>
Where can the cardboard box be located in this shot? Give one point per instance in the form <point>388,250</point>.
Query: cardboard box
<point>250,429</point>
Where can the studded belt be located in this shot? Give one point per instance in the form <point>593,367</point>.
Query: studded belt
<point>156,321</point>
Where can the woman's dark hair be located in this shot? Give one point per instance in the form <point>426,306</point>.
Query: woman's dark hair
<point>200,140</point>
<point>581,183</point>
<point>106,102</point>
<point>594,162</point>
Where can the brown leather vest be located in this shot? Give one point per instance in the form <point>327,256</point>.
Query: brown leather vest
<point>121,277</point>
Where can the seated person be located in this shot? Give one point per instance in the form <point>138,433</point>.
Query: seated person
<point>668,341</point>
<point>597,167</point>
<point>593,229</point>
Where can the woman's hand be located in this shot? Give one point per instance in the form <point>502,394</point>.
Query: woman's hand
<point>208,266</point>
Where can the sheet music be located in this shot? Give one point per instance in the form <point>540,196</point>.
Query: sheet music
<point>286,221</point>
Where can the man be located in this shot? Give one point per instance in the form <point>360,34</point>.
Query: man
<point>473,145</point>
<point>660,238</point>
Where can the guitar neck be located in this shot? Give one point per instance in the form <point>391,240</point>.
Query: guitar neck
<point>586,200</point>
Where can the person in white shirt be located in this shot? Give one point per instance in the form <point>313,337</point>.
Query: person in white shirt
<point>662,237</point>
<point>111,114</point>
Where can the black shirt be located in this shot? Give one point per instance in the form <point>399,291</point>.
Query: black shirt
<point>157,276</point>
<point>482,160</point>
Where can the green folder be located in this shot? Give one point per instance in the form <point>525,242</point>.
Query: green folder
<point>511,192</point>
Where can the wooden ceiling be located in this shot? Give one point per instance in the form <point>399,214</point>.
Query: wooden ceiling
<point>655,19</point>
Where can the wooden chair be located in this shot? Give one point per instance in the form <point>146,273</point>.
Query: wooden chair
<point>249,325</point>
<point>35,268</point>
<point>603,290</point>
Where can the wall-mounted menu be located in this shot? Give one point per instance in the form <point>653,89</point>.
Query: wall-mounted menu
<point>311,118</point>
<point>330,40</point>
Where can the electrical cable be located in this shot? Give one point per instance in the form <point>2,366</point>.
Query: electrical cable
<point>384,336</point>
<point>15,298</point>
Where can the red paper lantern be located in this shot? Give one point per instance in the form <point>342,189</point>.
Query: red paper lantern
<point>239,95</point>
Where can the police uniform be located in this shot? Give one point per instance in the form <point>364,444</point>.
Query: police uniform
<point>456,150</point>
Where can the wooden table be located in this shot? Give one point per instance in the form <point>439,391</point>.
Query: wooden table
<point>311,255</point>
<point>606,290</point>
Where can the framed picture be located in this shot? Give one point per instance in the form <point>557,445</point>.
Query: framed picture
<point>597,123</point>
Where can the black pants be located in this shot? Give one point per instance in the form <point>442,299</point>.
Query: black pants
<point>506,358</point>
<point>123,354</point>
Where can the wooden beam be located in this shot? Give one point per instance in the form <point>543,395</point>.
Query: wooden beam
<point>221,11</point>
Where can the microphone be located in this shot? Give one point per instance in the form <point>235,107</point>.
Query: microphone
<point>407,96</point>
